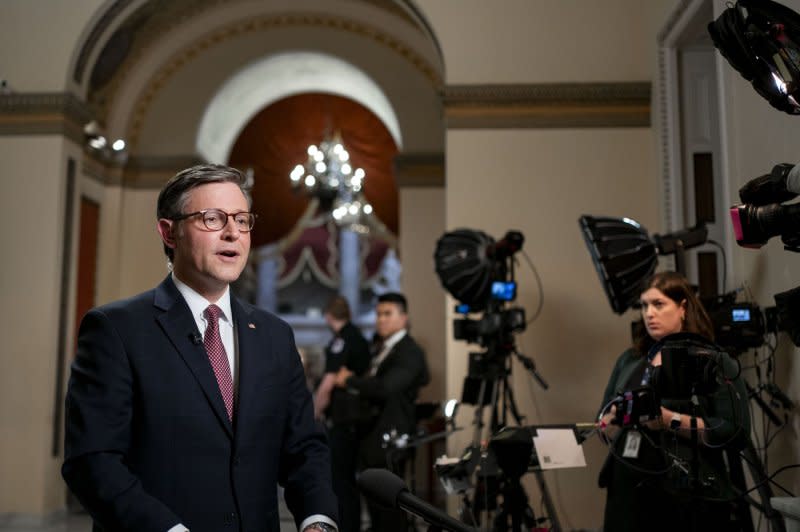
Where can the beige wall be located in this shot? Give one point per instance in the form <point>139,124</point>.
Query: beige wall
<point>22,27</point>
<point>32,214</point>
<point>142,261</point>
<point>422,222</point>
<point>540,182</point>
<point>541,41</point>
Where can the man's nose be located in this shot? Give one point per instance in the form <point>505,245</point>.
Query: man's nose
<point>230,231</point>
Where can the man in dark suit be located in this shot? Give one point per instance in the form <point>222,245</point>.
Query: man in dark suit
<point>187,407</point>
<point>390,387</point>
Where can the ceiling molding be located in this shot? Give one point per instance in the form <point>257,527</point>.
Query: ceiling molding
<point>419,170</point>
<point>155,14</point>
<point>551,105</point>
<point>57,113</point>
<point>153,172</point>
<point>105,21</point>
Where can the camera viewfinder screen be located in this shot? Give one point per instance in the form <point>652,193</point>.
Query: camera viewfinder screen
<point>504,290</point>
<point>740,314</point>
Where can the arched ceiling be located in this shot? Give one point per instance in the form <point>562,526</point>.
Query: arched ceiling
<point>150,69</point>
<point>283,75</point>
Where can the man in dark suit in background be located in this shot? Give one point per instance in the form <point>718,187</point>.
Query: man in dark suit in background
<point>390,387</point>
<point>186,407</point>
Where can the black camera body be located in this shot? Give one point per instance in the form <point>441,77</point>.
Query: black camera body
<point>493,323</point>
<point>739,326</point>
<point>636,407</point>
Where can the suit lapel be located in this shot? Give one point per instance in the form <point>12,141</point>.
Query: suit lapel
<point>177,322</point>
<point>253,351</point>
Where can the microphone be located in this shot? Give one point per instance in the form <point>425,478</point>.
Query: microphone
<point>196,338</point>
<point>389,490</point>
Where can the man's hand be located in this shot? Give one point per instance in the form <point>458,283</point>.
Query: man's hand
<point>342,376</point>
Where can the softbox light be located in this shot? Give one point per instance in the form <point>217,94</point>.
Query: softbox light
<point>623,256</point>
<point>464,266</point>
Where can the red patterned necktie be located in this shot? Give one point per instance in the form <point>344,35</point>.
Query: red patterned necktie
<point>218,358</point>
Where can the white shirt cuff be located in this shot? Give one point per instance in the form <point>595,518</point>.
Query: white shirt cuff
<point>178,528</point>
<point>316,518</point>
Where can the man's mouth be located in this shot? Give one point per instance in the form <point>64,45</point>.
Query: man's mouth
<point>228,253</point>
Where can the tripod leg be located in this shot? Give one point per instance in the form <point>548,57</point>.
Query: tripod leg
<point>764,490</point>
<point>555,525</point>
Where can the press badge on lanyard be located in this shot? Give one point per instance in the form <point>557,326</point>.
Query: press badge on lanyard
<point>633,439</point>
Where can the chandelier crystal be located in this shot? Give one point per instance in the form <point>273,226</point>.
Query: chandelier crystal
<point>328,176</point>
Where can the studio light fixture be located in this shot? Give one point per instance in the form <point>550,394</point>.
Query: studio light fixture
<point>625,256</point>
<point>98,143</point>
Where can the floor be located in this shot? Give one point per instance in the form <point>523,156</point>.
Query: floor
<point>83,523</point>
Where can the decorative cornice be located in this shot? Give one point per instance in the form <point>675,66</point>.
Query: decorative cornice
<point>404,9</point>
<point>43,114</point>
<point>552,105</point>
<point>419,170</point>
<point>137,172</point>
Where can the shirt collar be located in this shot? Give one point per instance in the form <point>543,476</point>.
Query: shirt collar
<point>390,342</point>
<point>198,304</point>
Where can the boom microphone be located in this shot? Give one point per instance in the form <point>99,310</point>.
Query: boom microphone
<point>389,490</point>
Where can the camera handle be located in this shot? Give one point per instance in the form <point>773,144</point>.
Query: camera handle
<point>528,363</point>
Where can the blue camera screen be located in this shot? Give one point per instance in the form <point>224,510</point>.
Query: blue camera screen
<point>741,314</point>
<point>504,291</point>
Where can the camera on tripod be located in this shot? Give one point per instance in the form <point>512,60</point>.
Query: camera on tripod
<point>494,321</point>
<point>479,272</point>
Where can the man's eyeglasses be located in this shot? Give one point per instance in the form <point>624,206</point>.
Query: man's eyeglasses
<point>216,219</point>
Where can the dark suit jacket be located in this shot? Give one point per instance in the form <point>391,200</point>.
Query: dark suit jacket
<point>392,393</point>
<point>148,441</point>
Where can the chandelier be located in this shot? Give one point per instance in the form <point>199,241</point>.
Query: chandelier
<point>328,176</point>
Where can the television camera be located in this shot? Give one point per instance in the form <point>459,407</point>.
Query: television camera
<point>762,216</point>
<point>479,272</point>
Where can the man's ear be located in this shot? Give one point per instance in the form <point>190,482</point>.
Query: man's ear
<point>166,229</point>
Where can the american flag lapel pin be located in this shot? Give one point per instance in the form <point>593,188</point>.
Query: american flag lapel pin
<point>251,325</point>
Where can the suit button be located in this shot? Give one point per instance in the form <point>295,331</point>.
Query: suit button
<point>236,461</point>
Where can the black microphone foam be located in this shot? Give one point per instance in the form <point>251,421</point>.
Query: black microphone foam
<point>388,489</point>
<point>196,338</point>
<point>382,486</point>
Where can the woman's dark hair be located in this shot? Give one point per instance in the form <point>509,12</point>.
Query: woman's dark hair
<point>676,287</point>
<point>339,308</point>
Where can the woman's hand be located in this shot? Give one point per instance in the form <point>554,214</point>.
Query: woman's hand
<point>607,426</point>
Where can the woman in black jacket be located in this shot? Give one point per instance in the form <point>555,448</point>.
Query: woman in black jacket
<point>668,472</point>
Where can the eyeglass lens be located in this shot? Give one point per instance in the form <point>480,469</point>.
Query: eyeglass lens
<point>215,219</point>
